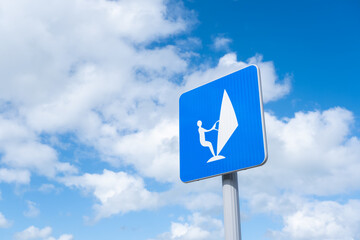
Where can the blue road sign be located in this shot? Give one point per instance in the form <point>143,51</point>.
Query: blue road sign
<point>222,127</point>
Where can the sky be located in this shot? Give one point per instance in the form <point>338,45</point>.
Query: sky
<point>89,100</point>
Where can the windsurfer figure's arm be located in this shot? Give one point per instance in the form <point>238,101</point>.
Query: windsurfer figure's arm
<point>201,129</point>
<point>214,127</point>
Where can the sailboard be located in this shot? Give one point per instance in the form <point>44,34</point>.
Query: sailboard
<point>227,125</point>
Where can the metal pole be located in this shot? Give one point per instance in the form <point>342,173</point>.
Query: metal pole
<point>231,206</point>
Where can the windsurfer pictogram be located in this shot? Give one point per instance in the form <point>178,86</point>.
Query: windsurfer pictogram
<point>227,125</point>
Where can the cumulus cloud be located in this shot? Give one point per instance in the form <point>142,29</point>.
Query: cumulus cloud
<point>32,210</point>
<point>56,54</point>
<point>196,227</point>
<point>199,196</point>
<point>4,223</point>
<point>117,192</point>
<point>14,176</point>
<point>273,88</point>
<point>313,151</point>
<point>222,43</point>
<point>322,220</point>
<point>159,144</point>
<point>22,150</point>
<point>70,67</point>
<point>45,233</point>
<point>91,73</point>
<point>34,233</point>
<point>66,237</point>
<point>47,188</point>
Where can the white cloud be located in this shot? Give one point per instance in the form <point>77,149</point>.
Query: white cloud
<point>322,220</point>
<point>33,232</point>
<point>14,176</point>
<point>37,157</point>
<point>197,227</point>
<point>52,44</point>
<point>204,196</point>
<point>117,192</point>
<point>4,223</point>
<point>66,237</point>
<point>32,210</point>
<point>222,43</point>
<point>272,87</point>
<point>47,188</point>
<point>66,32</point>
<point>72,65</point>
<point>309,154</point>
<point>152,151</point>
<point>203,201</point>
<point>22,150</point>
<point>120,192</point>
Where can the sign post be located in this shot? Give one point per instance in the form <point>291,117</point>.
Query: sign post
<point>231,206</point>
<point>222,131</point>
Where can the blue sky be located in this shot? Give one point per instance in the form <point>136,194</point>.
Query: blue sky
<point>89,117</point>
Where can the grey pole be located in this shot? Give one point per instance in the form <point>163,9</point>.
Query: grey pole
<point>231,206</point>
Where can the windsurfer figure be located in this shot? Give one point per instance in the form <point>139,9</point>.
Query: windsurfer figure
<point>202,132</point>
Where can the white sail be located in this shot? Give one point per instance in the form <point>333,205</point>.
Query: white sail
<point>227,123</point>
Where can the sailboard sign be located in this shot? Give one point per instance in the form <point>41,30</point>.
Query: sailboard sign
<point>222,127</point>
